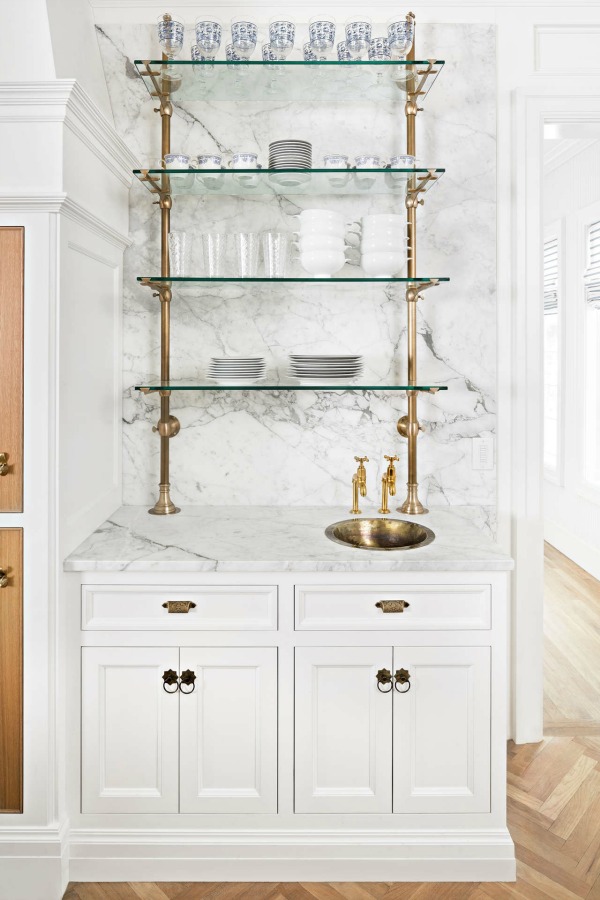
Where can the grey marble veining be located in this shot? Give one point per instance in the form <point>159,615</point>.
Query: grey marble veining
<point>297,448</point>
<point>275,539</point>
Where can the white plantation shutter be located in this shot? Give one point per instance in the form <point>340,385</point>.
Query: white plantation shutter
<point>591,276</point>
<point>551,275</point>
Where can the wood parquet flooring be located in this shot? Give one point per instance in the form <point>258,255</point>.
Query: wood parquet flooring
<point>553,816</point>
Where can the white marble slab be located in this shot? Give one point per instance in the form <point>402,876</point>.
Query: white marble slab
<point>274,539</point>
<point>298,448</point>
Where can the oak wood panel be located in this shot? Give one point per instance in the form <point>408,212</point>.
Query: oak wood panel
<point>11,672</point>
<point>12,246</point>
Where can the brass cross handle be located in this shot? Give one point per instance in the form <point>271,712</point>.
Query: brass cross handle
<point>361,459</point>
<point>402,677</point>
<point>3,578</point>
<point>384,676</point>
<point>3,463</point>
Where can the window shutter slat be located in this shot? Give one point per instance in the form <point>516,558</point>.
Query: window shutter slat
<point>551,275</point>
<point>591,277</point>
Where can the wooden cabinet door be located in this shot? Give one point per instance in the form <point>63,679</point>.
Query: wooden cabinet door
<point>130,731</point>
<point>343,734</point>
<point>11,368</point>
<point>442,731</point>
<point>11,670</point>
<point>229,731</point>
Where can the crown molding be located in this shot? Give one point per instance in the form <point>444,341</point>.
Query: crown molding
<point>64,100</point>
<point>19,202</point>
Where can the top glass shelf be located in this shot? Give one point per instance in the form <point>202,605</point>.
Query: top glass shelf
<point>357,81</point>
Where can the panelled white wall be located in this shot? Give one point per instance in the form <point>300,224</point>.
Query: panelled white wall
<point>572,507</point>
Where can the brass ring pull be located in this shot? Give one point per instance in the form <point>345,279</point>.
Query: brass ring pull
<point>392,606</point>
<point>170,678</point>
<point>188,677</point>
<point>179,606</point>
<point>402,676</point>
<point>3,463</point>
<point>3,578</point>
<point>384,676</point>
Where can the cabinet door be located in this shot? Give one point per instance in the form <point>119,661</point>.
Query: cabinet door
<point>442,731</point>
<point>12,245</point>
<point>343,753</point>
<point>11,671</point>
<point>229,731</point>
<point>130,730</point>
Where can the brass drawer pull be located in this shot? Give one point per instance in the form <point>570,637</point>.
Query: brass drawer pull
<point>3,578</point>
<point>179,606</point>
<point>170,678</point>
<point>188,677</point>
<point>3,463</point>
<point>392,606</point>
<point>384,676</point>
<point>402,677</point>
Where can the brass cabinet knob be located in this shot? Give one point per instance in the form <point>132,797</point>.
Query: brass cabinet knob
<point>3,463</point>
<point>392,606</point>
<point>3,578</point>
<point>384,676</point>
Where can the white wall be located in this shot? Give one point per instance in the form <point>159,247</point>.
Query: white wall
<point>571,509</point>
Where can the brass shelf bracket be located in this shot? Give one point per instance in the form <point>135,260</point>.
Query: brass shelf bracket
<point>419,186</point>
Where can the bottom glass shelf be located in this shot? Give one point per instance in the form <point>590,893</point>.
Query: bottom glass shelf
<point>286,386</point>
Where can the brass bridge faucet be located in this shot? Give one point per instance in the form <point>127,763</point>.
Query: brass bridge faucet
<point>388,484</point>
<point>359,483</point>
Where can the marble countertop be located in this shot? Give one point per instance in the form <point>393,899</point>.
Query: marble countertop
<point>273,539</point>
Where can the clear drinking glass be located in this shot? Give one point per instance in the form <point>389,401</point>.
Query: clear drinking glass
<point>180,245</point>
<point>358,36</point>
<point>282,34</point>
<point>276,251</point>
<point>213,248</point>
<point>247,245</point>
<point>321,33</point>
<point>243,37</point>
<point>170,34</point>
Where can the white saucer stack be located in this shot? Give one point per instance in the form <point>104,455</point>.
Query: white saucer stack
<point>325,369</point>
<point>237,371</point>
<point>290,155</point>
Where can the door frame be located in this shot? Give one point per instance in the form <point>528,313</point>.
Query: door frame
<point>556,101</point>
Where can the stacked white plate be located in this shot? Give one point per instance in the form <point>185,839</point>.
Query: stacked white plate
<point>325,369</point>
<point>290,155</point>
<point>236,371</point>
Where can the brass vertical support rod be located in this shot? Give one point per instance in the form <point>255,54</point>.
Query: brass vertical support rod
<point>408,426</point>
<point>168,426</point>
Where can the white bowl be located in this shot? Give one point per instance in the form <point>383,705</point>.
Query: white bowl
<point>382,264</point>
<point>385,220</point>
<point>389,244</point>
<point>385,235</point>
<point>315,241</point>
<point>322,263</point>
<point>313,216</point>
<point>326,228</point>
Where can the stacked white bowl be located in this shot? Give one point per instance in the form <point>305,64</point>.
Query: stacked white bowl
<point>321,242</point>
<point>236,371</point>
<point>383,244</point>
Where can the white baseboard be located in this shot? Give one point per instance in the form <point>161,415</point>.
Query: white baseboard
<point>268,856</point>
<point>33,863</point>
<point>582,553</point>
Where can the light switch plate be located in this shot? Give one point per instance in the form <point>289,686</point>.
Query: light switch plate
<point>483,453</point>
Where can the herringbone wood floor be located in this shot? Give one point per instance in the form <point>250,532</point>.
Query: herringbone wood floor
<point>553,786</point>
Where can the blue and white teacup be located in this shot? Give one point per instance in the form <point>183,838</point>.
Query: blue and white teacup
<point>367,161</point>
<point>208,36</point>
<point>245,161</point>
<point>212,180</point>
<point>282,34</point>
<point>400,37</point>
<point>336,161</point>
<point>176,161</point>
<point>243,37</point>
<point>397,180</point>
<point>358,36</point>
<point>379,49</point>
<point>321,33</point>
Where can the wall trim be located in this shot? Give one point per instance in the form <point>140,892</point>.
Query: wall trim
<point>64,100</point>
<point>583,554</point>
<point>62,203</point>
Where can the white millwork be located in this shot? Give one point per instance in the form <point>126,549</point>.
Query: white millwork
<point>279,755</point>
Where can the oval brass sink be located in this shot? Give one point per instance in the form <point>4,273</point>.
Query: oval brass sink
<point>379,534</point>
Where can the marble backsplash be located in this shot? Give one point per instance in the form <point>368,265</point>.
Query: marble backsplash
<point>297,447</point>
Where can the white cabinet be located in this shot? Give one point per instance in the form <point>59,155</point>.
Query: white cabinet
<point>130,731</point>
<point>442,730</point>
<point>439,757</point>
<point>229,731</point>
<point>145,750</point>
<point>343,752</point>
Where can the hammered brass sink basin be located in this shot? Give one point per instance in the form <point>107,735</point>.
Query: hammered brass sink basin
<point>379,534</point>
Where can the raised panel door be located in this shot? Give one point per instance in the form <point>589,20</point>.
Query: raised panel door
<point>343,733</point>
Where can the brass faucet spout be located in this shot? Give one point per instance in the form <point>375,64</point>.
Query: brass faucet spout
<point>359,484</point>
<point>388,485</point>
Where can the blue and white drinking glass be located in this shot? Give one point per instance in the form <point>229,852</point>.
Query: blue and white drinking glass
<point>379,49</point>
<point>400,37</point>
<point>321,33</point>
<point>170,34</point>
<point>208,37</point>
<point>244,35</point>
<point>358,36</point>
<point>282,34</point>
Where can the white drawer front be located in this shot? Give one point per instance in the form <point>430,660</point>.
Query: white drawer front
<point>226,608</point>
<point>331,608</point>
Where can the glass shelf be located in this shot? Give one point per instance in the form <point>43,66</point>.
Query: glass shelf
<point>180,385</point>
<point>359,81</point>
<point>151,280</point>
<point>274,182</point>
